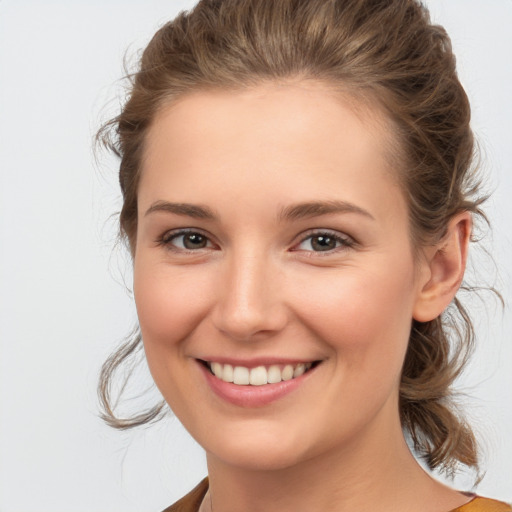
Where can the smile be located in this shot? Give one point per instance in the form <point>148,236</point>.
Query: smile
<point>258,384</point>
<point>258,376</point>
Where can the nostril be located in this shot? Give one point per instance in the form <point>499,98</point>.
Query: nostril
<point>250,324</point>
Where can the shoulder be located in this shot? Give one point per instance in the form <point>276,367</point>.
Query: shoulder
<point>191,501</point>
<point>479,504</point>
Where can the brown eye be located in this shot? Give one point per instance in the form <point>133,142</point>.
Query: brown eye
<point>323,243</point>
<point>186,240</point>
<point>194,241</point>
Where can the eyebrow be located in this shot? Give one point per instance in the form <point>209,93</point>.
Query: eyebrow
<point>291,212</point>
<point>189,210</point>
<point>318,208</point>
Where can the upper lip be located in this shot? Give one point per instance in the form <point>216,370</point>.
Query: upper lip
<point>257,361</point>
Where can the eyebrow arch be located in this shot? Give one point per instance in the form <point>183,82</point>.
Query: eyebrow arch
<point>317,208</point>
<point>186,209</point>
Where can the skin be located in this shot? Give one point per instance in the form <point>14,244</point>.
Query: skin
<point>259,288</point>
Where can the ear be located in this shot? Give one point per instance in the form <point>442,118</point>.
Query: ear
<point>443,269</point>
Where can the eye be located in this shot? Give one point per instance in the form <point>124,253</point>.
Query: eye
<point>186,240</point>
<point>324,242</point>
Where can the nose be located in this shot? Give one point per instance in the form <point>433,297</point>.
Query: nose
<point>250,302</point>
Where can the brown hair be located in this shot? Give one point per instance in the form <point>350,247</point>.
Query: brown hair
<point>385,51</point>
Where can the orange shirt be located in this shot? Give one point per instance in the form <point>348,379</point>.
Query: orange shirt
<point>480,504</point>
<point>192,501</point>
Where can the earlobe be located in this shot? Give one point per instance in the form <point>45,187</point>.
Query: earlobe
<point>444,269</point>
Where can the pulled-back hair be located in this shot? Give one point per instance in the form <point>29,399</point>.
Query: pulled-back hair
<point>382,51</point>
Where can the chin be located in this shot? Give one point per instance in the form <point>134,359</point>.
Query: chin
<point>270,459</point>
<point>263,451</point>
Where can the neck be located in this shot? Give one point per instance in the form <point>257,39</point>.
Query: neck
<point>382,472</point>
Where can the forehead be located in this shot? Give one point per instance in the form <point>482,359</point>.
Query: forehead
<point>300,139</point>
<point>291,104</point>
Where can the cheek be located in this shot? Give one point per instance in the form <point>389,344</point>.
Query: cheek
<point>169,304</point>
<point>364,316</point>
<point>363,319</point>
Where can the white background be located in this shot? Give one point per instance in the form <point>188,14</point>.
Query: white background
<point>63,305</point>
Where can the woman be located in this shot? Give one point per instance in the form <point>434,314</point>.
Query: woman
<point>299,197</point>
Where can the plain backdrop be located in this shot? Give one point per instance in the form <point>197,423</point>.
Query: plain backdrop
<point>64,287</point>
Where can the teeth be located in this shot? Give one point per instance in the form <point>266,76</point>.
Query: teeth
<point>241,375</point>
<point>287,373</point>
<point>299,370</point>
<point>258,376</point>
<point>274,374</point>
<point>227,373</point>
<point>217,370</point>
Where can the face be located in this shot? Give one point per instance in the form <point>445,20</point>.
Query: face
<point>273,249</point>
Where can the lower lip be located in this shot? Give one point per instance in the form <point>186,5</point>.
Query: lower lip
<point>252,396</point>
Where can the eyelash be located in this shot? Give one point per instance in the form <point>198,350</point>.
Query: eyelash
<point>169,236</point>
<point>342,242</point>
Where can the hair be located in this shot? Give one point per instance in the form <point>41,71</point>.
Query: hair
<point>384,51</point>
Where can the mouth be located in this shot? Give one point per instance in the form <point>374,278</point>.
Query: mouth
<point>259,375</point>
